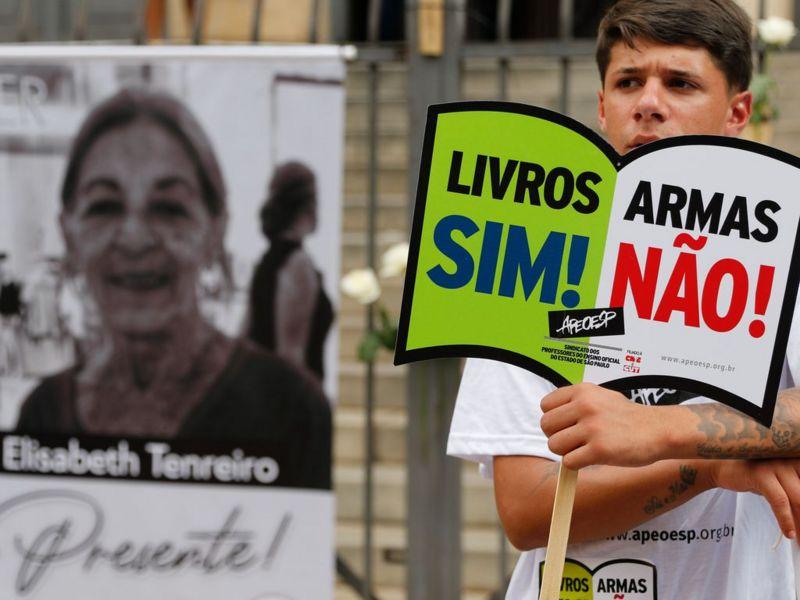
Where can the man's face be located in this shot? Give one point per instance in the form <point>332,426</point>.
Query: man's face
<point>655,91</point>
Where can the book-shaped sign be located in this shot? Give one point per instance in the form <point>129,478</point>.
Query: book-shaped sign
<point>534,243</point>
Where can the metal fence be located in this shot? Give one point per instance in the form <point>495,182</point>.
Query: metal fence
<point>434,70</point>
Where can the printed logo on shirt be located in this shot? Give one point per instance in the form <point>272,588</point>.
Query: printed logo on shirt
<point>658,396</point>
<point>621,579</point>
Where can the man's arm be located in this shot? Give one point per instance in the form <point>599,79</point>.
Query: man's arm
<point>590,425</point>
<point>727,433</point>
<point>608,500</point>
<point>612,500</point>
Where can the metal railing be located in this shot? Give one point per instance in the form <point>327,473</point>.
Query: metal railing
<point>71,20</point>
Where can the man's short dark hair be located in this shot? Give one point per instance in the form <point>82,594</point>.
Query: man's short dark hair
<point>720,26</point>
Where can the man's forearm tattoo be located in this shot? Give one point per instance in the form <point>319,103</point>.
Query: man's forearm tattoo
<point>687,475</point>
<point>730,434</point>
<point>550,472</point>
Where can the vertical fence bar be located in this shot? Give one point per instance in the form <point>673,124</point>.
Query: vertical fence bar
<point>50,22</point>
<point>79,21</point>
<point>434,479</point>
<point>372,202</point>
<point>24,21</point>
<point>140,26</point>
<point>761,64</point>
<point>503,36</point>
<point>374,10</point>
<point>565,22</point>
<point>198,18</point>
<point>504,64</point>
<point>255,25</point>
<point>166,32</point>
<point>340,19</point>
<point>373,21</point>
<point>313,21</point>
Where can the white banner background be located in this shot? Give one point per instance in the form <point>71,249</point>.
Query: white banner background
<point>293,561</point>
<point>260,107</point>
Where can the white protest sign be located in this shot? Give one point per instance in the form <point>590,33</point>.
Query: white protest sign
<point>699,252</point>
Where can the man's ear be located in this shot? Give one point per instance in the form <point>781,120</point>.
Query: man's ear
<point>739,111</point>
<point>601,110</point>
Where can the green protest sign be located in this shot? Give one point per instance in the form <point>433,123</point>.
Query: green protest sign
<point>534,243</point>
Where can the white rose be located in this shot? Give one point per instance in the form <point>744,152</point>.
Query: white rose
<point>394,260</point>
<point>361,285</point>
<point>776,31</point>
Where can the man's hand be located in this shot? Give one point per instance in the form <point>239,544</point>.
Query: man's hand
<point>590,425</point>
<point>777,480</point>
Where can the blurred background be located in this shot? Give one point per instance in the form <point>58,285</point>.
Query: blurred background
<point>411,523</point>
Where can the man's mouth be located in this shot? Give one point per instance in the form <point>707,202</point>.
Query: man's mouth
<point>641,140</point>
<point>139,281</point>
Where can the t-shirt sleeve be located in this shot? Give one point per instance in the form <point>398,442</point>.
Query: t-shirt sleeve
<point>497,413</point>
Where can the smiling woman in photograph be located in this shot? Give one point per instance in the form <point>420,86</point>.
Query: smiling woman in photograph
<point>143,213</point>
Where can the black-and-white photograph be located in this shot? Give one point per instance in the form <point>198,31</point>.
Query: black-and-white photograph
<point>169,252</point>
<point>162,218</point>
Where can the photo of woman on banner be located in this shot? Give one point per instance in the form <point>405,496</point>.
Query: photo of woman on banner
<point>290,313</point>
<point>143,215</point>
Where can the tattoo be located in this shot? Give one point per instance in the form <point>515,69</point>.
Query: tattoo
<point>549,472</point>
<point>743,451</point>
<point>687,476</point>
<point>730,434</point>
<point>782,439</point>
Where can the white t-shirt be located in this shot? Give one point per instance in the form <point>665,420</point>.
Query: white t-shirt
<point>719,545</point>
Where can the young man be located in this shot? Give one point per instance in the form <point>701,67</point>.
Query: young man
<point>674,527</point>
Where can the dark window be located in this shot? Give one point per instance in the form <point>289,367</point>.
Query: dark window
<point>392,23</point>
<point>532,20</point>
<point>588,14</point>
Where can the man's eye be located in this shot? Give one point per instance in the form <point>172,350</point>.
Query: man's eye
<point>104,207</point>
<point>169,208</point>
<point>681,84</point>
<point>627,83</point>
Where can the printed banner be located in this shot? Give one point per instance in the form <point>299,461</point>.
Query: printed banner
<point>169,260</point>
<point>77,534</point>
<point>674,266</point>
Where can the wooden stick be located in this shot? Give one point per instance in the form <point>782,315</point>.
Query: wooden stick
<point>559,534</point>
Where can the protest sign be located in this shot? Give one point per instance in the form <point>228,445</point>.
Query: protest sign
<point>533,242</point>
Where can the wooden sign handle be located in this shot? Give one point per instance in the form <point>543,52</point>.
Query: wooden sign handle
<point>559,534</point>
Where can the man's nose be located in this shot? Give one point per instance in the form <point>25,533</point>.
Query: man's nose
<point>651,103</point>
<point>135,236</point>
